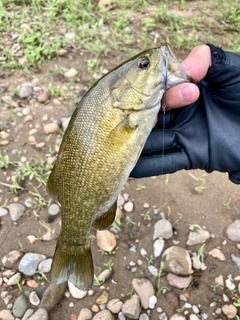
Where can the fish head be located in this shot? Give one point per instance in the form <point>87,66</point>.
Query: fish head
<point>142,80</point>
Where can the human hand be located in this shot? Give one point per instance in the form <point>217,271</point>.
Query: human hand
<point>196,65</point>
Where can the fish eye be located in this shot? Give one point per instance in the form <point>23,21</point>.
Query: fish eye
<point>143,63</point>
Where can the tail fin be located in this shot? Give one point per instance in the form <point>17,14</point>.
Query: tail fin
<point>73,263</point>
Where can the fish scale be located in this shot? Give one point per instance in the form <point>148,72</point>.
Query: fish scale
<point>100,147</point>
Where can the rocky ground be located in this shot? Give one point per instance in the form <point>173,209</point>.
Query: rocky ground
<point>173,250</point>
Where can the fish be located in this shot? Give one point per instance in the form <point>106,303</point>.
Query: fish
<point>100,147</point>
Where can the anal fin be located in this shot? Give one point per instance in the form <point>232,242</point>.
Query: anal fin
<point>106,219</point>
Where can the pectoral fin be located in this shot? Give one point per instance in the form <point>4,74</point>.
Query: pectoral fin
<point>106,219</point>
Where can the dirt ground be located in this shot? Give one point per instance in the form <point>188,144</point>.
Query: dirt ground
<point>214,208</point>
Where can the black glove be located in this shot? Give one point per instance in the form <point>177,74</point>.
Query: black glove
<point>204,135</point>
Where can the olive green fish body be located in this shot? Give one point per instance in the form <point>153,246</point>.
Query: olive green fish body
<point>100,147</point>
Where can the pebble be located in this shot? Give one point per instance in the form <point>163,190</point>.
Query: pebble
<point>85,314</point>
<point>158,246</point>
<point>103,315</point>
<point>3,212</point>
<point>65,124</point>
<point>131,308</point>
<point>53,209</point>
<point>16,210</point>
<point>28,314</point>
<point>121,316</point>
<point>104,275</point>
<point>193,317</point>
<point>25,91</point>
<point>95,308</point>
<point>20,306</point>
<point>6,315</point>
<point>32,283</point>
<point>229,284</point>
<point>75,292</point>
<point>197,237</point>
<point>232,231</point>
<point>219,281</point>
<point>177,316</point>
<point>4,142</point>
<point>103,298</point>
<point>43,97</point>
<point>106,240</point>
<point>53,295</point>
<point>178,282</point>
<point>176,260</point>
<point>162,228</point>
<point>34,299</point>
<point>45,265</point>
<point>236,260</point>
<point>14,279</point>
<point>29,263</point>
<point>152,302</point>
<point>229,310</point>
<point>115,305</point>
<point>71,73</point>
<point>172,299</point>
<point>217,254</point>
<point>120,200</point>
<point>163,316</point>
<point>11,259</point>
<point>195,309</point>
<point>153,270</point>
<point>47,236</point>
<point>144,289</point>
<point>197,264</point>
<point>128,206</point>
<point>51,127</point>
<point>40,314</point>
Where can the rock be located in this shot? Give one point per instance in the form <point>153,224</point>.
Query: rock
<point>6,315</point>
<point>163,316</point>
<point>197,264</point>
<point>144,289</point>
<point>115,305</point>
<point>229,310</point>
<point>236,260</point>
<point>106,240</point>
<point>153,270</point>
<point>75,292</point>
<point>128,206</point>
<point>229,284</point>
<point>28,314</point>
<point>40,314</point>
<point>217,254</point>
<point>178,282</point>
<point>20,306</point>
<point>162,228</point>
<point>143,316</point>
<point>51,128</point>
<point>32,283</point>
<point>177,316</point>
<point>53,295</point>
<point>14,279</point>
<point>25,91</point>
<point>45,265</point>
<point>29,263</point>
<point>65,124</point>
<point>197,237</point>
<point>3,212</point>
<point>16,210</point>
<point>219,281</point>
<point>85,314</point>
<point>176,260</point>
<point>120,201</point>
<point>54,209</point>
<point>6,297</point>
<point>193,317</point>
<point>103,315</point>
<point>47,236</point>
<point>103,298</point>
<point>10,260</point>
<point>121,316</point>
<point>152,302</point>
<point>71,73</point>
<point>232,231</point>
<point>43,97</point>
<point>131,308</point>
<point>104,275</point>
<point>34,299</point>
<point>158,246</point>
<point>172,299</point>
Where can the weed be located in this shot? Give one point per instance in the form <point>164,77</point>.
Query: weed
<point>96,282</point>
<point>140,187</point>
<point>20,245</point>
<point>200,253</point>
<point>146,216</point>
<point>227,204</point>
<point>150,260</point>
<point>202,181</point>
<point>117,223</point>
<point>160,289</point>
<point>109,264</point>
<point>5,161</point>
<point>180,217</point>
<point>46,226</point>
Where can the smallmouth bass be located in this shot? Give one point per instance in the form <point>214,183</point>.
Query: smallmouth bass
<point>100,147</point>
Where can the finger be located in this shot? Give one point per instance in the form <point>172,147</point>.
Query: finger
<point>197,63</point>
<point>181,95</point>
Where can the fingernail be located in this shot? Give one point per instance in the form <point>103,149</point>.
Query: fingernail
<point>187,94</point>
